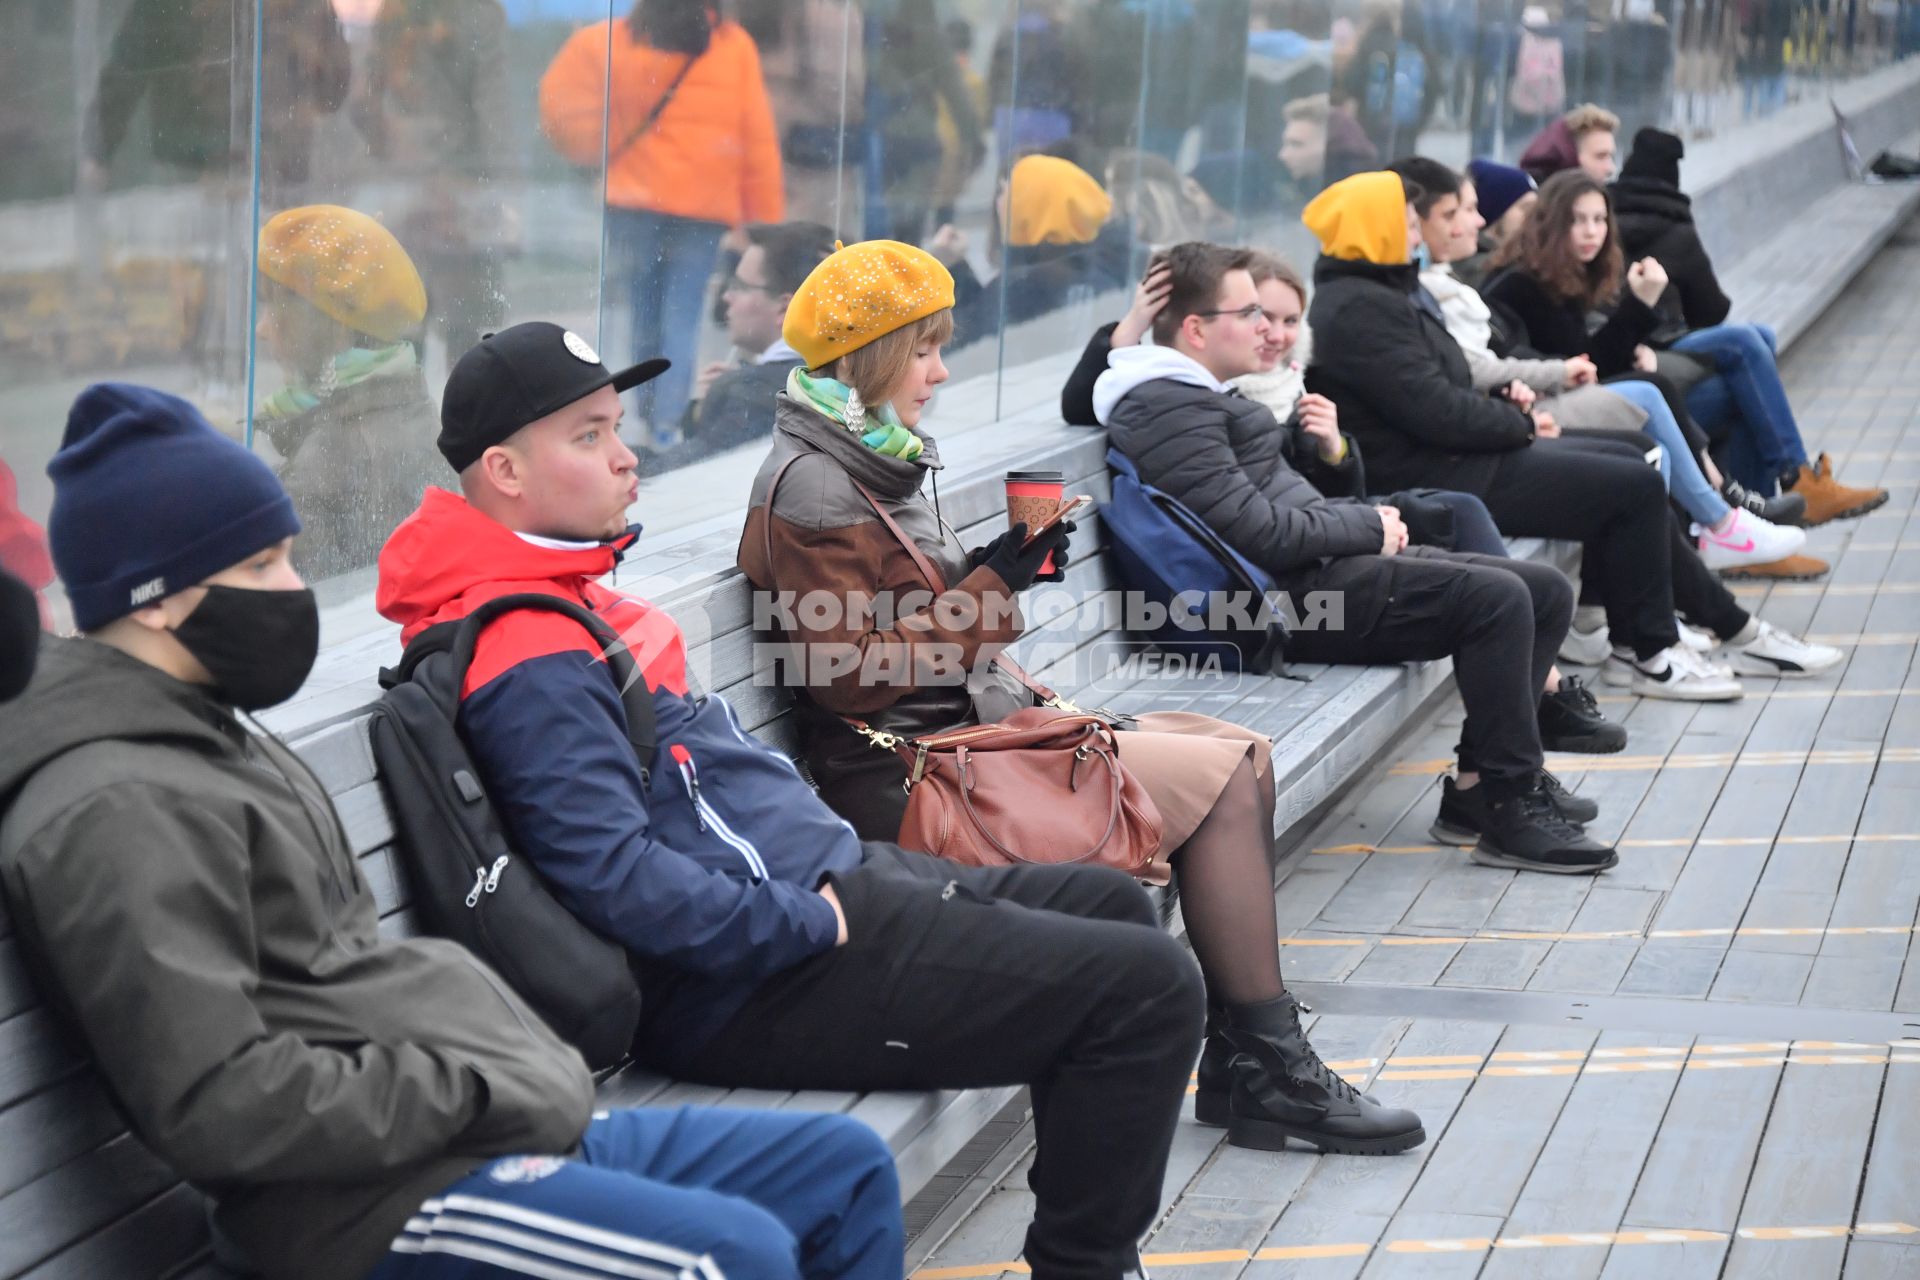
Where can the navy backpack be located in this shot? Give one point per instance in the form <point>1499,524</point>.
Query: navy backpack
<point>1168,555</point>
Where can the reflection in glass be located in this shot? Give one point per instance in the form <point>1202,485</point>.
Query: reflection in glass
<point>341,306</point>
<point>690,151</point>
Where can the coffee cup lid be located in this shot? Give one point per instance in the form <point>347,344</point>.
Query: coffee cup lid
<point>1036,477</point>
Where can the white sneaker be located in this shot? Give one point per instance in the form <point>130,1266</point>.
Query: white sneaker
<point>1693,637</point>
<point>1781,653</point>
<point>1585,648</point>
<point>1748,540</point>
<point>1686,679</point>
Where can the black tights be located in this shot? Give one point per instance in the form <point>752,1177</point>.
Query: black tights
<point>1225,872</point>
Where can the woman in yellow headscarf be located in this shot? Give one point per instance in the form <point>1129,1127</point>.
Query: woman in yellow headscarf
<point>1057,239</point>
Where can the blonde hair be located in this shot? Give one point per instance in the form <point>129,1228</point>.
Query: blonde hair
<point>877,369</point>
<point>1591,118</point>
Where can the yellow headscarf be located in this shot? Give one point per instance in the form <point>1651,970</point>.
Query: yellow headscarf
<point>1054,201</point>
<point>1363,217</point>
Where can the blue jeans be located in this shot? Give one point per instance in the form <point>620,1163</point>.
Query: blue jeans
<point>667,262</point>
<point>1747,394</point>
<point>699,1192</point>
<point>1678,467</point>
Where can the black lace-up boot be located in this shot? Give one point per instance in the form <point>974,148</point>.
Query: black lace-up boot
<point>1282,1090</point>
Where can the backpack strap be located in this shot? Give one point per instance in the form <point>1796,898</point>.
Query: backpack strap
<point>461,637</point>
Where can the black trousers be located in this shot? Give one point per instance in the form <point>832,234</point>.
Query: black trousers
<point>1058,978</point>
<point>1600,493</point>
<point>1500,620</point>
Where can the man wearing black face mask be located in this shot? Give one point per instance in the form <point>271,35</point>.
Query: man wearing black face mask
<point>355,1106</point>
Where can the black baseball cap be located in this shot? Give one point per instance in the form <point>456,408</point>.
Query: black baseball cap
<point>521,375</point>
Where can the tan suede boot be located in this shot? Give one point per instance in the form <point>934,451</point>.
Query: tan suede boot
<point>1786,569</point>
<point>1828,499</point>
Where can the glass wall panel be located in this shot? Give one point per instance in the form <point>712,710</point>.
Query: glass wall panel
<point>126,207</point>
<point>659,176</point>
<point>430,170</point>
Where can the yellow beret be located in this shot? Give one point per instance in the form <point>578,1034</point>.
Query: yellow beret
<point>862,292</point>
<point>1054,201</point>
<point>347,265</point>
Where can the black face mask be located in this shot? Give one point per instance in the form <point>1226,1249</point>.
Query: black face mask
<point>257,645</point>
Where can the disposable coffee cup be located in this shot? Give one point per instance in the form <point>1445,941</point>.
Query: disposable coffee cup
<point>1032,496</point>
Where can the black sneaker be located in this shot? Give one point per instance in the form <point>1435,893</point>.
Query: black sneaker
<point>1787,507</point>
<point>1463,814</point>
<point>1570,720</point>
<point>1525,832</point>
<point>1579,810</point>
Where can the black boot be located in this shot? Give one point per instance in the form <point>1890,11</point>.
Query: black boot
<point>1214,1078</point>
<point>1282,1090</point>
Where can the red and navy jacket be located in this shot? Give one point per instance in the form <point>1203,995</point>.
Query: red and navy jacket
<point>710,874</point>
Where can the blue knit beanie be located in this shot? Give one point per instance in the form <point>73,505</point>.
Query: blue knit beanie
<point>1500,186</point>
<point>149,499</point>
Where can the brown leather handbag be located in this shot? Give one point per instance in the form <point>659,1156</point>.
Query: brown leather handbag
<point>1043,787</point>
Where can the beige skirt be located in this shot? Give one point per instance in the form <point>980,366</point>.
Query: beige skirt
<point>1184,761</point>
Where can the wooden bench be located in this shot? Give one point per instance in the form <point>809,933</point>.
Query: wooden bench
<point>81,1199</point>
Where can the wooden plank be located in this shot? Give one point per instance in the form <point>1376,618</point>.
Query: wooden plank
<point>1584,1177</point>
<point>34,1053</point>
<point>165,1234</point>
<point>340,756</point>
<point>77,1200</point>
<point>49,1129</point>
<point>1808,1170</point>
<point>1483,1161</point>
<point>1409,1228</point>
<point>17,992</point>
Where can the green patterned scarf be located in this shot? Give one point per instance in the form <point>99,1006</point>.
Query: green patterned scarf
<point>348,369</point>
<point>880,432</point>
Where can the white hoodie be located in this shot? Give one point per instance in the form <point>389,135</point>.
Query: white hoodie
<point>1129,367</point>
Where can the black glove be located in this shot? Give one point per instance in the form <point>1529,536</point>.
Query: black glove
<point>1429,522</point>
<point>19,635</point>
<point>1019,565</point>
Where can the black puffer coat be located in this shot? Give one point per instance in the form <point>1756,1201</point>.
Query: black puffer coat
<point>1402,383</point>
<point>1656,221</point>
<point>1225,457</point>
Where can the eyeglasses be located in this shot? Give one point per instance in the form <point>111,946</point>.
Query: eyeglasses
<point>736,285</point>
<point>1251,311</point>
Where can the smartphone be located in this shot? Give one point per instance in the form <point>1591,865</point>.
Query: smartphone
<point>1068,506</point>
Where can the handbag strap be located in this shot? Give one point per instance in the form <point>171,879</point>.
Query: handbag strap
<point>653,116</point>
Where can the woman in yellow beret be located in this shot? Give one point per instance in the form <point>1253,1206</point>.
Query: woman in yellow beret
<point>340,305</point>
<point>869,324</point>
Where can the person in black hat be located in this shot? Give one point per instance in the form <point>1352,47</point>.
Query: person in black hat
<point>1656,221</point>
<point>775,948</point>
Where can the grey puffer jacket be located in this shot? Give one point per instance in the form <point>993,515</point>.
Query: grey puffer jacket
<point>1224,456</point>
<point>187,890</point>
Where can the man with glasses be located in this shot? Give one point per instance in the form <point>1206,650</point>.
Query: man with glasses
<point>1169,409</point>
<point>733,401</point>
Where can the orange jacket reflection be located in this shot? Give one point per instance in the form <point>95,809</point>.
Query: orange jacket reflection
<point>712,155</point>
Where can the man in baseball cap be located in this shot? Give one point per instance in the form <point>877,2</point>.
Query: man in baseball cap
<point>518,376</point>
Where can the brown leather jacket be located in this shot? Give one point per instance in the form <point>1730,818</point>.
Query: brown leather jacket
<point>872,643</point>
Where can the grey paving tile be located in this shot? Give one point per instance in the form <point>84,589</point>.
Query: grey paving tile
<point>1881,1260</point>
<point>1661,968</point>
<point>1761,977</point>
<point>1498,966</point>
<point>1591,967</point>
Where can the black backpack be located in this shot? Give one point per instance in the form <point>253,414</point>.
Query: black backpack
<point>469,883</point>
